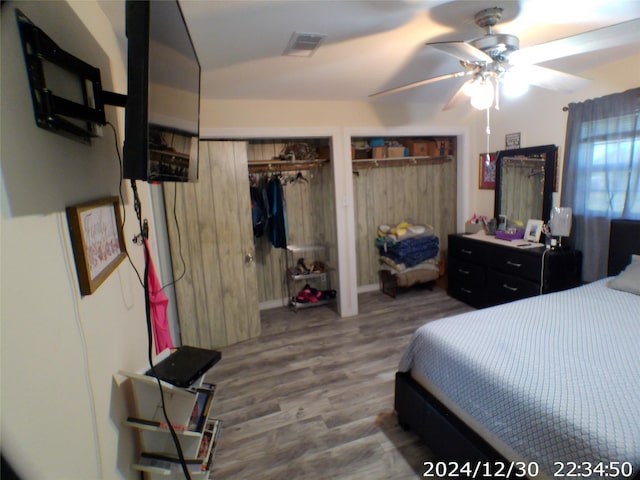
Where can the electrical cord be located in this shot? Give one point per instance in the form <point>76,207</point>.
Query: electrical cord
<point>124,220</point>
<point>542,267</point>
<point>83,344</point>
<point>124,210</point>
<point>179,235</point>
<point>145,285</point>
<point>147,304</point>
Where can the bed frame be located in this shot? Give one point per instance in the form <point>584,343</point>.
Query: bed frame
<point>448,437</point>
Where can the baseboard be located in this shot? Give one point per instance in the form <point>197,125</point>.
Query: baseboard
<point>368,288</point>
<point>277,303</point>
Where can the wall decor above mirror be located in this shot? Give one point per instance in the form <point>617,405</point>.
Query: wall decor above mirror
<point>525,179</point>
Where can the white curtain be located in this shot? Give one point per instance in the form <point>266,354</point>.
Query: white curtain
<point>601,173</point>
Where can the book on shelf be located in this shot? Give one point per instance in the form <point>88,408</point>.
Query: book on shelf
<point>169,462</point>
<point>141,422</point>
<point>201,407</point>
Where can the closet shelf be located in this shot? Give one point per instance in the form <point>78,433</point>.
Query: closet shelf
<point>395,161</point>
<point>284,166</point>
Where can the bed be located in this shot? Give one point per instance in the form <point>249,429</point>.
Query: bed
<point>551,381</point>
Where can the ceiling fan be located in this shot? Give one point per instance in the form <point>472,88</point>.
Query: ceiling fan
<point>495,60</point>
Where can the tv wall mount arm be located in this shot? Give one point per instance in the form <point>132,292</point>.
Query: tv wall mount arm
<point>53,112</point>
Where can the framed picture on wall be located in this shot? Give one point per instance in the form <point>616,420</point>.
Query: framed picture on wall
<point>512,140</point>
<point>487,173</point>
<point>96,238</point>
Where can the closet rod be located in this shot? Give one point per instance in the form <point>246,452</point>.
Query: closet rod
<point>280,165</point>
<point>381,162</point>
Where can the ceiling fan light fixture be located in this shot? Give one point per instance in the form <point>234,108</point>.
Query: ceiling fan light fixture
<point>470,88</point>
<point>482,97</point>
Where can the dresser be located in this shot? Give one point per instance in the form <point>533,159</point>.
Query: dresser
<point>484,271</point>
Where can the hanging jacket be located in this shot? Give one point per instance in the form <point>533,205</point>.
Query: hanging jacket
<point>258,212</point>
<point>277,205</point>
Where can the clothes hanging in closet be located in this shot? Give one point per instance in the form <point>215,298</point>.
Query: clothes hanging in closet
<point>278,210</point>
<point>259,210</point>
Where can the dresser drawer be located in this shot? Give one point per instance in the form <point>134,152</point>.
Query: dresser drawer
<point>520,264</point>
<point>467,274</point>
<point>507,288</point>
<point>465,249</point>
<point>476,297</point>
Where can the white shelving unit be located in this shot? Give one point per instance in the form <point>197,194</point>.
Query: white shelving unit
<point>316,279</point>
<point>190,412</point>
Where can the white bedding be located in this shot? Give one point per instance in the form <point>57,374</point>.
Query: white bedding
<point>554,378</point>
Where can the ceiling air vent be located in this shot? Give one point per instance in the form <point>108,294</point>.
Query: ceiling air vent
<point>303,44</point>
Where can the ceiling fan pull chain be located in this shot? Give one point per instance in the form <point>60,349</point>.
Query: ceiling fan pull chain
<point>488,129</point>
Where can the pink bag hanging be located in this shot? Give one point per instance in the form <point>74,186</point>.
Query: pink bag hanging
<point>158,302</point>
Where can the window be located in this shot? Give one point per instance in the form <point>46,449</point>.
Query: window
<point>607,164</point>
<point>601,173</point>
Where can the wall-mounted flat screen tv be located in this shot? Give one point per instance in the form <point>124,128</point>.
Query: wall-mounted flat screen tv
<point>162,117</point>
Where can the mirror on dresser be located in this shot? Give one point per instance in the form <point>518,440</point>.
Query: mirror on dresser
<point>525,180</point>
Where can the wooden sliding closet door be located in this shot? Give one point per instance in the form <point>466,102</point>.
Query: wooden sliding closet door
<point>217,298</point>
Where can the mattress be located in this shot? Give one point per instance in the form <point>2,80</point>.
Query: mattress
<point>552,379</point>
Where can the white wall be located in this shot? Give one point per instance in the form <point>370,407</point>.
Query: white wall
<point>62,407</point>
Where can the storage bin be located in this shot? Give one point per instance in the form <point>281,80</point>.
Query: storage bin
<point>394,152</point>
<point>416,148</point>
<point>379,152</point>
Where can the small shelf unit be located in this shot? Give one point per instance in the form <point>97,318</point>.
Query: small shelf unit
<point>190,412</point>
<point>316,279</point>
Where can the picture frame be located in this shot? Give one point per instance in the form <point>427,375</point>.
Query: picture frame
<point>96,238</point>
<point>533,231</point>
<point>512,141</point>
<point>487,174</point>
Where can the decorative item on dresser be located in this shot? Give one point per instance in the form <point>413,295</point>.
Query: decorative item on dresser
<point>484,271</point>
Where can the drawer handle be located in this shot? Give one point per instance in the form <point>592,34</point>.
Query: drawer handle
<point>464,290</point>
<point>513,289</point>
<point>464,272</point>
<point>466,252</point>
<point>513,264</point>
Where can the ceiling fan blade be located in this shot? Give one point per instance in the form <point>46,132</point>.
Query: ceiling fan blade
<point>419,83</point>
<point>457,97</point>
<point>462,51</point>
<point>551,79</point>
<point>599,39</point>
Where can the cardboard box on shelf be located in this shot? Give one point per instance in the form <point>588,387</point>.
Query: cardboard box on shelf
<point>395,152</point>
<point>379,152</point>
<point>416,148</point>
<point>432,148</point>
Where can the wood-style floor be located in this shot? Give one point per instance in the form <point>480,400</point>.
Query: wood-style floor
<point>312,398</point>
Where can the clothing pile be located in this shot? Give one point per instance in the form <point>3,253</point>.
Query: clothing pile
<point>406,245</point>
<point>408,256</point>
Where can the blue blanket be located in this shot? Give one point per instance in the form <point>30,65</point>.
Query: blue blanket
<point>412,251</point>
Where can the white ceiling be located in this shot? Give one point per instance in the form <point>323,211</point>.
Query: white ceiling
<point>372,45</point>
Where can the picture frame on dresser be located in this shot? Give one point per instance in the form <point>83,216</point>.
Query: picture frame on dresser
<point>533,230</point>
